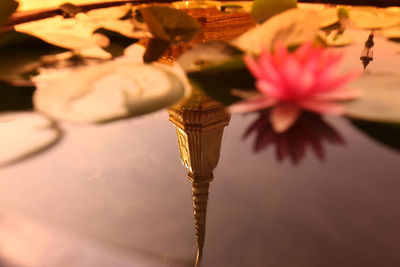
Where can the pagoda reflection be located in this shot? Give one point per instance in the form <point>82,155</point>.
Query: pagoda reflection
<point>199,123</point>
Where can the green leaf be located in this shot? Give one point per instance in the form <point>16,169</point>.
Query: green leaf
<point>15,97</point>
<point>207,55</point>
<point>292,27</point>
<point>386,134</point>
<point>262,10</point>
<point>7,8</point>
<point>219,80</point>
<point>380,99</point>
<point>343,12</point>
<point>170,24</point>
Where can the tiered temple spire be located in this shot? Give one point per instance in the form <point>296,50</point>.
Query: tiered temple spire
<point>199,124</point>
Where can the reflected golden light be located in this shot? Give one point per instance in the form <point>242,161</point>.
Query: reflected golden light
<point>200,124</point>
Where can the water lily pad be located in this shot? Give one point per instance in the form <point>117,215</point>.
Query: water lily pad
<point>206,55</point>
<point>79,32</point>
<point>219,80</point>
<point>380,99</point>
<point>292,27</point>
<point>106,92</point>
<point>329,15</point>
<point>392,33</point>
<point>107,13</point>
<point>23,134</point>
<point>67,33</point>
<point>262,10</point>
<point>374,18</point>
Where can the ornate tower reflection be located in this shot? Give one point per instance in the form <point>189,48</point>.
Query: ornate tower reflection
<point>199,123</point>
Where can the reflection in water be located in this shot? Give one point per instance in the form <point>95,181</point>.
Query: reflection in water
<point>199,126</point>
<point>367,54</point>
<point>309,130</point>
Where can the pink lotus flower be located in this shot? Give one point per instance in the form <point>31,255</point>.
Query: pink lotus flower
<point>290,82</point>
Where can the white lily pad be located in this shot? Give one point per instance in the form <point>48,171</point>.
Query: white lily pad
<point>67,33</point>
<point>108,91</point>
<point>392,33</point>
<point>79,32</point>
<point>23,134</point>
<point>328,15</point>
<point>292,27</point>
<point>115,12</point>
<point>380,99</point>
<point>374,18</point>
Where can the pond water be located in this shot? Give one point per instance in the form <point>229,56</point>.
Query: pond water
<point>323,194</point>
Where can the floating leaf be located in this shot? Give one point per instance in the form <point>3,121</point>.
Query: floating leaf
<point>80,32</point>
<point>106,92</point>
<point>392,33</point>
<point>292,27</point>
<point>67,33</point>
<point>108,13</point>
<point>386,134</point>
<point>206,55</point>
<point>262,10</point>
<point>380,99</point>
<point>328,15</point>
<point>23,134</point>
<point>170,24</point>
<point>374,18</point>
<point>7,7</point>
<point>219,80</point>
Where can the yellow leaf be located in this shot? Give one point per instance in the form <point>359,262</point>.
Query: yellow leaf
<point>67,33</point>
<point>374,18</point>
<point>109,12</point>
<point>292,27</point>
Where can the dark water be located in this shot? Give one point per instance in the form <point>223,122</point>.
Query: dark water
<point>127,189</point>
<point>324,194</point>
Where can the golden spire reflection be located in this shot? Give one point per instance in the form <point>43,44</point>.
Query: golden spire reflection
<point>199,123</point>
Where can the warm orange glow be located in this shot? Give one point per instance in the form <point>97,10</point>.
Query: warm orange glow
<point>40,4</point>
